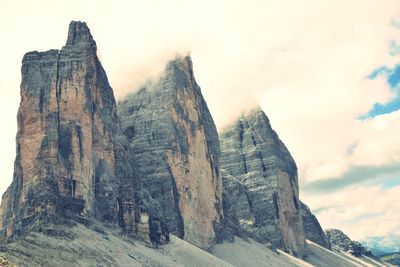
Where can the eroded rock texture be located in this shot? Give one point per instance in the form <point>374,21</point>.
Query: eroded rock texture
<point>72,157</point>
<point>261,181</point>
<point>175,149</point>
<point>312,229</point>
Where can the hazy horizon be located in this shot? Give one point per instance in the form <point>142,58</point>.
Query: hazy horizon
<point>326,74</point>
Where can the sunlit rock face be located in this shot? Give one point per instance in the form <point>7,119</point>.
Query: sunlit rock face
<point>312,229</point>
<point>260,177</point>
<point>72,157</point>
<point>175,150</point>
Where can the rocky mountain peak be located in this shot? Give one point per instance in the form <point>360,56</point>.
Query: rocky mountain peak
<point>338,238</point>
<point>256,111</point>
<point>175,149</point>
<point>79,33</point>
<point>179,73</point>
<point>180,61</point>
<point>262,182</point>
<point>72,158</point>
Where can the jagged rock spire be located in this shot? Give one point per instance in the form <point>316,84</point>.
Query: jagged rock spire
<point>79,32</point>
<point>175,147</point>
<point>72,157</point>
<point>261,182</point>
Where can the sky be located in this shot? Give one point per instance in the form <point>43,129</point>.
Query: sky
<point>325,72</point>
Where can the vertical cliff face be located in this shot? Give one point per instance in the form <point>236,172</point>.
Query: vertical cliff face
<point>175,149</point>
<point>262,182</point>
<point>312,229</point>
<point>72,157</point>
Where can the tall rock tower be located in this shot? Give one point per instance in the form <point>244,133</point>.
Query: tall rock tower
<point>175,148</point>
<point>72,157</point>
<point>260,178</point>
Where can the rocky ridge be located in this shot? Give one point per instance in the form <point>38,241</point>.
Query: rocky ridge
<point>339,239</point>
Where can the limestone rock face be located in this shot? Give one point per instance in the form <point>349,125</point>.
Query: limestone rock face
<point>340,240</point>
<point>261,181</point>
<point>312,229</point>
<point>175,150</point>
<point>72,157</point>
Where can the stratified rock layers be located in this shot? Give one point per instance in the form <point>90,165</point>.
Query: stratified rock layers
<point>175,148</point>
<point>312,229</point>
<point>72,157</point>
<point>261,181</point>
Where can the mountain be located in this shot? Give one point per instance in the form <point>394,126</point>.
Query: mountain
<point>175,150</point>
<point>72,158</point>
<point>339,239</point>
<point>262,182</point>
<point>148,183</point>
